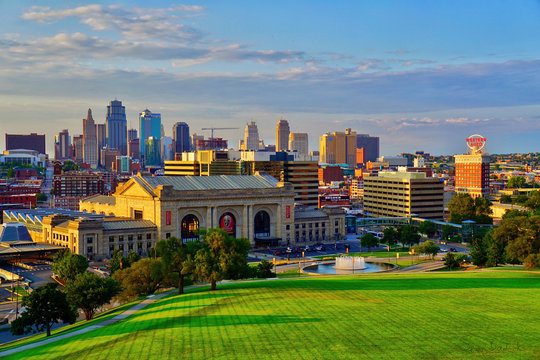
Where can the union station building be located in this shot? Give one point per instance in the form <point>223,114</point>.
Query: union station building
<point>256,207</point>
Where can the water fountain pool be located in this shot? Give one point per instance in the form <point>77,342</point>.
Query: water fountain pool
<point>350,263</point>
<point>347,266</point>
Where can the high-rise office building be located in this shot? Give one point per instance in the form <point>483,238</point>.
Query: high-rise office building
<point>134,149</point>
<point>251,137</point>
<point>78,148</point>
<point>472,169</point>
<point>194,138</point>
<point>400,194</point>
<point>282,135</point>
<point>167,151</point>
<point>181,137</point>
<point>149,126</point>
<point>90,153</point>
<point>299,142</point>
<point>101,132</point>
<point>116,126</point>
<point>152,148</point>
<point>29,142</point>
<point>369,148</point>
<point>132,134</point>
<point>62,145</point>
<point>338,148</point>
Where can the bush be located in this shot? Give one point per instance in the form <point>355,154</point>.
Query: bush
<point>264,269</point>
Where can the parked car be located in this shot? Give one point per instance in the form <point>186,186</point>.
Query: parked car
<point>277,252</point>
<point>453,250</point>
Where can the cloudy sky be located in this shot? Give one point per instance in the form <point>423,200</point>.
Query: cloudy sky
<point>422,75</point>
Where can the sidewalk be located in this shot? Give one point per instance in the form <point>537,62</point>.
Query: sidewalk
<point>149,300</point>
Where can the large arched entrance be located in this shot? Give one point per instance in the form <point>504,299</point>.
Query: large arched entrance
<point>190,223</point>
<point>262,230</point>
<point>227,222</point>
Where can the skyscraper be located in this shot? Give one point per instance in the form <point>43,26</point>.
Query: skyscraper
<point>116,126</point>
<point>370,146</point>
<point>90,141</point>
<point>282,135</point>
<point>472,169</point>
<point>167,152</point>
<point>62,139</point>
<point>299,142</point>
<point>152,148</point>
<point>132,134</point>
<point>101,139</point>
<point>149,126</point>
<point>181,137</point>
<point>251,137</point>
<point>338,148</point>
<point>78,148</point>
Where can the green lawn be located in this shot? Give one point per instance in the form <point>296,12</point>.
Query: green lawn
<point>484,315</point>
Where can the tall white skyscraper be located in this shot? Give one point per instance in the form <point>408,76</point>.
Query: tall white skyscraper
<point>90,153</point>
<point>299,142</point>
<point>251,137</point>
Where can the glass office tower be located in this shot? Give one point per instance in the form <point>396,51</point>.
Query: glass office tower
<point>116,126</point>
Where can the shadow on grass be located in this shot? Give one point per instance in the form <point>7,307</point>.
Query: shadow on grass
<point>197,321</point>
<point>396,283</point>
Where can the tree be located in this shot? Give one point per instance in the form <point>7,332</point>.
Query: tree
<point>409,235</point>
<point>450,262</point>
<point>89,291</point>
<point>533,203</point>
<point>427,227</point>
<point>41,197</point>
<point>143,278</point>
<point>428,248</point>
<point>509,214</point>
<point>44,307</point>
<point>516,182</point>
<point>521,236</point>
<point>10,173</point>
<point>447,231</point>
<point>369,241</point>
<point>463,207</point>
<point>220,253</point>
<point>264,269</point>
<point>118,261</point>
<point>176,259</point>
<point>390,236</point>
<point>479,251</point>
<point>506,199</point>
<point>68,266</point>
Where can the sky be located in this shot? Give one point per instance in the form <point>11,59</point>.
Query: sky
<point>421,75</point>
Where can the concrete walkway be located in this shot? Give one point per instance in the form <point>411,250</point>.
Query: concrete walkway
<point>149,300</point>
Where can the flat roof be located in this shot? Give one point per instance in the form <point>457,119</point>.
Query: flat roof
<point>219,182</point>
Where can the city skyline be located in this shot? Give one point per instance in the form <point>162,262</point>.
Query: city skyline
<point>419,76</point>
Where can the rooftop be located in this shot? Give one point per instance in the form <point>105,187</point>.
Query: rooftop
<point>220,182</point>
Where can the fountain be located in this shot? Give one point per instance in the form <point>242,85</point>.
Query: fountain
<point>350,263</point>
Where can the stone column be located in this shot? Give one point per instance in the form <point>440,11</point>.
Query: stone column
<point>245,222</point>
<point>208,217</point>
<point>251,228</point>
<point>279,232</point>
<point>215,223</point>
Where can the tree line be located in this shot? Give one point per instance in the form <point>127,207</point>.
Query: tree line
<point>171,263</point>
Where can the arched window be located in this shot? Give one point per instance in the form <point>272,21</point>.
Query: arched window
<point>190,223</point>
<point>227,222</point>
<point>262,224</point>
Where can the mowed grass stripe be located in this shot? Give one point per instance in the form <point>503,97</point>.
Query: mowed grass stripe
<point>422,316</point>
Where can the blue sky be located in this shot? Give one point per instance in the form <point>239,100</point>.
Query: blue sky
<point>422,75</point>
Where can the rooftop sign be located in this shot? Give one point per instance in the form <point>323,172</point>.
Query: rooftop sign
<point>476,142</point>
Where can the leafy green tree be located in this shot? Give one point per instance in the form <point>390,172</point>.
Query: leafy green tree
<point>132,258</point>
<point>450,261</point>
<point>44,307</point>
<point>463,207</point>
<point>264,269</point>
<point>390,236</point>
<point>68,266</point>
<point>409,235</point>
<point>221,252</point>
<point>119,261</point>
<point>427,227</point>
<point>89,291</point>
<point>533,203</point>
<point>10,173</point>
<point>521,236</point>
<point>143,278</point>
<point>506,199</point>
<point>479,251</point>
<point>176,258</point>
<point>509,214</point>
<point>448,230</point>
<point>428,248</point>
<point>516,182</point>
<point>41,197</point>
<point>532,261</point>
<point>521,199</point>
<point>237,254</point>
<point>369,241</point>
<point>495,250</point>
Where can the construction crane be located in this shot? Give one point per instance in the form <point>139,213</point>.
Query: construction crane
<point>216,128</point>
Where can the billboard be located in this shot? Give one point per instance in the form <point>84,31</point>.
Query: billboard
<point>476,141</point>
<point>227,223</point>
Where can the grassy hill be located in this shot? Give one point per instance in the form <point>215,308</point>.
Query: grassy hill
<point>486,315</point>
